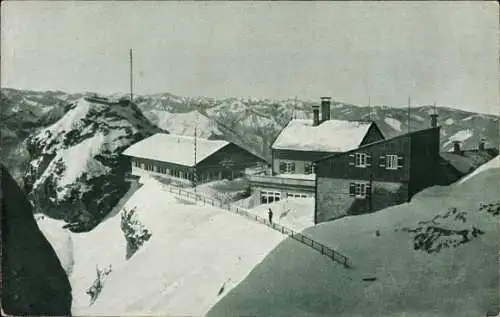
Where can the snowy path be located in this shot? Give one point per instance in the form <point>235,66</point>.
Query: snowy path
<point>325,250</point>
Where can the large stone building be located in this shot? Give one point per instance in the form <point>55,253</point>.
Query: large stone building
<point>173,157</point>
<point>389,172</point>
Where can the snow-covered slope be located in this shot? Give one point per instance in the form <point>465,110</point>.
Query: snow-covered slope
<point>77,171</point>
<point>184,123</point>
<point>435,256</point>
<point>193,258</point>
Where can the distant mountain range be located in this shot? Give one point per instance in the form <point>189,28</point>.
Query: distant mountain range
<point>39,130</point>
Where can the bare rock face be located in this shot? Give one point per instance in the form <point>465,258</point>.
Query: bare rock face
<point>33,280</point>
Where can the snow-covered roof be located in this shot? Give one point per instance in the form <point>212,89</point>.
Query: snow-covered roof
<point>329,136</point>
<point>177,149</point>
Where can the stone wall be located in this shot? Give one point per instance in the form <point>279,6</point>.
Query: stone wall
<point>333,200</point>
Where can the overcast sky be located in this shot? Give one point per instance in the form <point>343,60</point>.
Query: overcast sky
<point>435,52</point>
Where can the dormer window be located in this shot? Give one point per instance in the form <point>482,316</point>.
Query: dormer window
<point>287,167</point>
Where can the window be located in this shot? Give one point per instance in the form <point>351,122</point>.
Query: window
<point>267,197</point>
<point>308,168</point>
<point>287,167</point>
<point>161,170</point>
<point>137,164</point>
<point>359,190</point>
<point>296,195</point>
<point>360,160</point>
<point>149,167</point>
<point>391,162</point>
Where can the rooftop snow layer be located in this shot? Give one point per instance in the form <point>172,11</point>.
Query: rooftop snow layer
<point>329,136</point>
<point>175,149</point>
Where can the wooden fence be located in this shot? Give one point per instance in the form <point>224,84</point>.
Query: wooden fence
<point>209,201</point>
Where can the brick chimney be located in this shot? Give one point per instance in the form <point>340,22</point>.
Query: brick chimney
<point>481,144</point>
<point>434,120</point>
<point>325,108</point>
<point>434,117</point>
<point>456,147</point>
<point>315,109</point>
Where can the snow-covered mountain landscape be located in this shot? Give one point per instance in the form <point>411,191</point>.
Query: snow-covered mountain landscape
<point>75,177</point>
<point>249,122</point>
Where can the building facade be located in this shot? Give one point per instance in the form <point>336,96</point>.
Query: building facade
<point>300,144</point>
<point>376,175</point>
<point>173,157</point>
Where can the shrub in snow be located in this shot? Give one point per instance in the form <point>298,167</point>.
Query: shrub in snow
<point>135,232</point>
<point>491,208</point>
<point>95,289</point>
<point>431,236</point>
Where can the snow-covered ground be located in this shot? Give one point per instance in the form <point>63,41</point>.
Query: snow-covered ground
<point>395,124</point>
<point>195,256</point>
<point>494,163</point>
<point>294,213</point>
<point>434,256</point>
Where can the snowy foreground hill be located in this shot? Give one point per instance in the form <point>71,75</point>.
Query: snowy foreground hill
<point>195,255</point>
<point>77,172</point>
<point>435,256</point>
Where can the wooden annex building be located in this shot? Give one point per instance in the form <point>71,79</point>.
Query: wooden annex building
<point>173,157</point>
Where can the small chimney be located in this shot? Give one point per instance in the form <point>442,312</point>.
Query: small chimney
<point>325,108</point>
<point>481,144</point>
<point>456,147</point>
<point>434,120</point>
<point>315,109</point>
<point>434,117</point>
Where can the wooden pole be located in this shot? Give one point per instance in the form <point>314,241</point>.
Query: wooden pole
<point>131,77</point>
<point>370,108</point>
<point>195,176</point>
<point>409,106</point>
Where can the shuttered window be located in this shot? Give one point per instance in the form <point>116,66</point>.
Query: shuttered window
<point>392,161</point>
<point>360,190</point>
<point>287,167</point>
<point>308,168</point>
<point>361,160</point>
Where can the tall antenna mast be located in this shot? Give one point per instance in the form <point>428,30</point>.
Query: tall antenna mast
<point>295,109</point>
<point>370,107</point>
<point>195,176</point>
<point>131,75</point>
<point>409,106</point>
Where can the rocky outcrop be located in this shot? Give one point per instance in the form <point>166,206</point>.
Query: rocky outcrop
<point>33,280</point>
<point>77,172</point>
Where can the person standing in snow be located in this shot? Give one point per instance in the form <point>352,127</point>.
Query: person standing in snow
<point>270,215</point>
